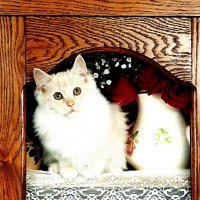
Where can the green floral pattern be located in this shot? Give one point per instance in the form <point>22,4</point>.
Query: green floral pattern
<point>162,137</point>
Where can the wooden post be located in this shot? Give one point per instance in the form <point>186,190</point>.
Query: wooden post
<point>12,79</point>
<point>195,136</point>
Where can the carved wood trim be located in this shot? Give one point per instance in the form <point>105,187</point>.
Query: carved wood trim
<point>165,40</point>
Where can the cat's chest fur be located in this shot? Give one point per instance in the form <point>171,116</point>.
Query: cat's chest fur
<point>77,132</point>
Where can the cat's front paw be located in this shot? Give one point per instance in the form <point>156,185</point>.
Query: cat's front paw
<point>90,173</point>
<point>53,168</point>
<point>68,172</point>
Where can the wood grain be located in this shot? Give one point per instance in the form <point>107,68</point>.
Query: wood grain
<point>101,7</point>
<point>12,79</point>
<point>195,151</point>
<point>165,40</point>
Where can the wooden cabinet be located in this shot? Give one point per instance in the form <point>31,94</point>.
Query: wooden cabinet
<point>28,40</point>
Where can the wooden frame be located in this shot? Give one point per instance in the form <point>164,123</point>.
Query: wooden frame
<point>101,8</point>
<point>12,80</point>
<point>13,74</point>
<point>195,151</point>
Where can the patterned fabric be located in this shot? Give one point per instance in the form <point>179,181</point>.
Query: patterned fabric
<point>130,185</point>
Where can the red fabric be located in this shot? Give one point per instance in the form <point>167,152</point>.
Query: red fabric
<point>148,79</point>
<point>153,81</point>
<point>176,95</point>
<point>123,92</point>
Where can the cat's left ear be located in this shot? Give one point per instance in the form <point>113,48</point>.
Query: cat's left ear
<point>80,67</point>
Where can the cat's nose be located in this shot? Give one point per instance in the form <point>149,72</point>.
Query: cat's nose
<point>70,103</point>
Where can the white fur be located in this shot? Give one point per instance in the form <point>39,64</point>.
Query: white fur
<point>86,142</point>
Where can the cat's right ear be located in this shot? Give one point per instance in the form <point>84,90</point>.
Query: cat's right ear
<point>41,78</point>
<point>79,67</point>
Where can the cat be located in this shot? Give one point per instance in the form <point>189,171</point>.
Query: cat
<point>82,133</point>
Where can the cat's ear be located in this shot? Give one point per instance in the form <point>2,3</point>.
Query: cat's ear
<point>41,78</point>
<point>79,67</point>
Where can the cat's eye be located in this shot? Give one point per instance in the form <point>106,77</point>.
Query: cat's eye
<point>77,90</point>
<point>58,96</point>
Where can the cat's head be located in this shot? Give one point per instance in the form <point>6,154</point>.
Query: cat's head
<point>65,92</point>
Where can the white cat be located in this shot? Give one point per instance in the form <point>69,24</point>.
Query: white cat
<point>82,133</point>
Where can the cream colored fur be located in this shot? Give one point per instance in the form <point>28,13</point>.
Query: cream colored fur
<point>85,139</point>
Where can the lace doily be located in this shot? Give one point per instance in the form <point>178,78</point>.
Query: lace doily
<point>126,185</point>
